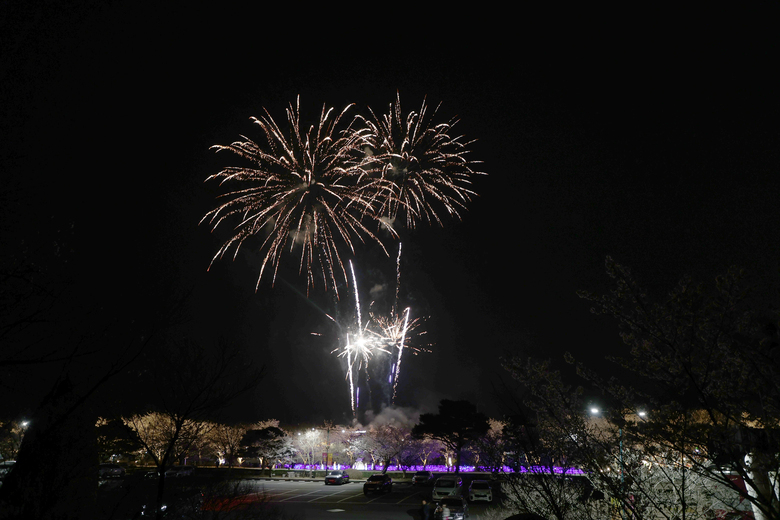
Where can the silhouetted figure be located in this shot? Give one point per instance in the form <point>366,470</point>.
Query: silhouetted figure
<point>425,510</point>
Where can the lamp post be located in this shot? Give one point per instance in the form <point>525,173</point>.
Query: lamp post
<point>327,428</point>
<point>641,414</point>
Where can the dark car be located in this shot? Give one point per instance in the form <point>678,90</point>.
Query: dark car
<point>180,471</point>
<point>336,476</point>
<point>458,507</point>
<point>381,483</point>
<point>108,470</point>
<point>422,478</point>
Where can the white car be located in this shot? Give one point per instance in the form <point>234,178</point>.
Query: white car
<point>180,471</point>
<point>480,490</point>
<point>447,487</point>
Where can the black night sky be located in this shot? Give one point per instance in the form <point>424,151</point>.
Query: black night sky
<point>655,143</point>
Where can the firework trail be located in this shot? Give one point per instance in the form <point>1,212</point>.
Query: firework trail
<point>401,345</point>
<point>396,333</point>
<point>357,297</point>
<point>303,188</point>
<point>359,344</point>
<point>351,382</point>
<point>425,163</point>
<point>386,335</point>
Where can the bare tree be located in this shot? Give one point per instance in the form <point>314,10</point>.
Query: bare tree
<point>427,449</point>
<point>307,444</point>
<point>489,449</point>
<point>226,441</point>
<point>389,442</point>
<point>457,424</point>
<point>265,441</point>
<point>192,385</point>
<point>706,359</point>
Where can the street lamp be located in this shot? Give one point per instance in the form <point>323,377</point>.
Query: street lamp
<point>595,411</point>
<point>641,414</point>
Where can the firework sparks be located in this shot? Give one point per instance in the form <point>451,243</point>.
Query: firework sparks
<point>303,188</point>
<point>397,333</point>
<point>425,163</point>
<point>320,189</point>
<point>388,336</point>
<point>315,192</point>
<point>360,342</point>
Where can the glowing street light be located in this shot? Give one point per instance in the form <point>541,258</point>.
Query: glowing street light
<point>595,411</point>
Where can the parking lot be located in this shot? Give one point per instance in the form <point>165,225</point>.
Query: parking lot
<point>316,500</point>
<point>312,499</point>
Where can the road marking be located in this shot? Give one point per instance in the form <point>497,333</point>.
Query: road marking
<point>336,510</point>
<point>298,495</point>
<point>351,497</point>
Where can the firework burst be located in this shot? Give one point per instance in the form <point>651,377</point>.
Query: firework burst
<point>425,164</point>
<point>318,191</point>
<point>302,188</point>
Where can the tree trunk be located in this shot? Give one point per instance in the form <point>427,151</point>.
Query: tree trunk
<point>160,492</point>
<point>761,487</point>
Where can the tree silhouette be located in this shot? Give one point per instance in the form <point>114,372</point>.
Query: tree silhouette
<point>457,424</point>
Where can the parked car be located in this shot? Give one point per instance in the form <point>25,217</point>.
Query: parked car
<point>110,470</point>
<point>379,482</point>
<point>480,490</point>
<point>447,487</point>
<point>336,476</point>
<point>458,507</point>
<point>422,478</point>
<point>180,471</point>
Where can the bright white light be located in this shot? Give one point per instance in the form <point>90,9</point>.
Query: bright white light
<point>594,410</point>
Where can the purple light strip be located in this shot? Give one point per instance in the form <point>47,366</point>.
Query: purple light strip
<point>558,470</point>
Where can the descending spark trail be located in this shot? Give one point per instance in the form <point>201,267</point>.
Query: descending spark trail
<point>357,296</point>
<point>351,382</point>
<point>401,346</point>
<point>397,276</point>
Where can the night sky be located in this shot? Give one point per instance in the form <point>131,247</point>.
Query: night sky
<point>656,143</point>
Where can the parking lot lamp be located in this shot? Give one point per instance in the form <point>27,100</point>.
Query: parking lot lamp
<point>596,411</point>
